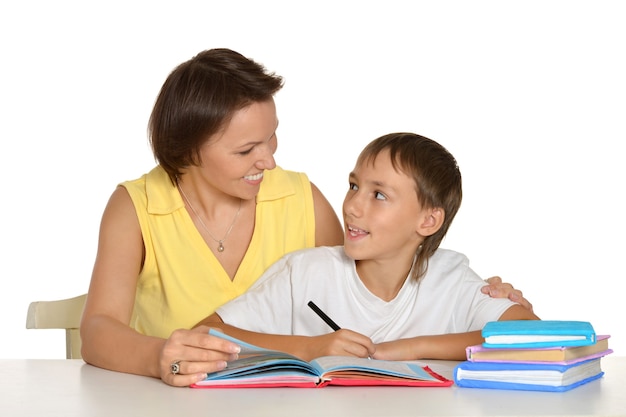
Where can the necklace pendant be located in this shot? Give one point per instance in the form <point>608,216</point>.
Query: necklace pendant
<point>220,243</point>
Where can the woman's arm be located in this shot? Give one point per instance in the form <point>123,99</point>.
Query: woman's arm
<point>108,341</point>
<point>328,230</point>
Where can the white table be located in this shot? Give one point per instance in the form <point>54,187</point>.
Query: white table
<point>70,388</point>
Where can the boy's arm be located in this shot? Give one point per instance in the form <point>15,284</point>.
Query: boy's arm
<point>342,342</point>
<point>446,346</point>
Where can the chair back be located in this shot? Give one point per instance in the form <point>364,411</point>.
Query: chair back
<point>59,314</point>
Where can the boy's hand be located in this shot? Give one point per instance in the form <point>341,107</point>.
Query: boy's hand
<point>342,343</point>
<point>397,350</point>
<point>499,289</point>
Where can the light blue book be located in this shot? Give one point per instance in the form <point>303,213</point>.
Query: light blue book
<point>537,333</point>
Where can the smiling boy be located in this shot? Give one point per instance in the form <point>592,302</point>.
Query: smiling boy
<point>393,292</point>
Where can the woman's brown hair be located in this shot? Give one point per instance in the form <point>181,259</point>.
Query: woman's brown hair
<point>199,98</point>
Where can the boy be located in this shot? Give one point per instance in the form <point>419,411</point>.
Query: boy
<point>395,295</point>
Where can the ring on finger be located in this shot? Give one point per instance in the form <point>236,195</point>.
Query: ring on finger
<point>175,367</point>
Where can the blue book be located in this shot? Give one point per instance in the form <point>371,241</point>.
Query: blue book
<point>526,376</point>
<point>537,333</point>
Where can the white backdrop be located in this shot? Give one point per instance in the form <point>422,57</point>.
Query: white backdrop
<point>528,95</point>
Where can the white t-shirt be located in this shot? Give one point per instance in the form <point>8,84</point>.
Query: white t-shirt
<point>446,300</point>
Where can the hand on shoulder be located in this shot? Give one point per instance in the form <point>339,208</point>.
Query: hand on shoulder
<point>495,288</point>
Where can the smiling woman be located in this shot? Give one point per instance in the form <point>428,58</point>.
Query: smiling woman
<point>201,227</point>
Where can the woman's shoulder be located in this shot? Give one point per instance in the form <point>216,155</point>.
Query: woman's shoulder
<point>279,176</point>
<point>155,190</point>
<point>279,183</point>
<point>156,174</point>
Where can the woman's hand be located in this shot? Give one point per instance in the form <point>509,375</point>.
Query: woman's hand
<point>188,355</point>
<point>499,289</point>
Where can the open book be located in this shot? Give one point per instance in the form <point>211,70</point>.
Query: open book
<point>258,367</point>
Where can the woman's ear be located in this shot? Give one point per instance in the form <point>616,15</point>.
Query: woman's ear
<point>431,221</point>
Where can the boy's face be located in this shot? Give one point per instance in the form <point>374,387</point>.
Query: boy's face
<point>381,212</point>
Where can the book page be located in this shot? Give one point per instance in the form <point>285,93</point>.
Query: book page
<point>263,363</point>
<point>520,338</point>
<point>346,366</point>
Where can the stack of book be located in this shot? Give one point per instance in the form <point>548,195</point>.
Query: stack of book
<point>534,355</point>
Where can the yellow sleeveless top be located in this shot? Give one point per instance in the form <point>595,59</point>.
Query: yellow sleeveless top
<point>181,281</point>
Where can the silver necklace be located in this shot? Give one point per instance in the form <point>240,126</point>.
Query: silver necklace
<point>220,242</point>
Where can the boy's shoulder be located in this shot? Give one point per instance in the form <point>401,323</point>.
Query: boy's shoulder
<point>318,252</point>
<point>321,260</point>
<point>448,259</point>
<point>448,253</point>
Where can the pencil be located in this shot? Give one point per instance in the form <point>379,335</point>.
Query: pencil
<point>323,316</point>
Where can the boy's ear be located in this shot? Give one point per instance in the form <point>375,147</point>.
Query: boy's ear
<point>431,222</point>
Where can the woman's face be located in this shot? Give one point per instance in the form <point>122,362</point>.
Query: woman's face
<point>233,159</point>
